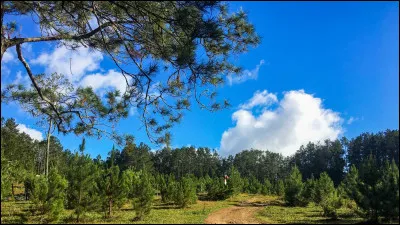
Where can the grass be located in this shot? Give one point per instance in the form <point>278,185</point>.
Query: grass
<point>274,212</point>
<point>19,212</point>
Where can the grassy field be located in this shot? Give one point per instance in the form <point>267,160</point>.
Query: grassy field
<point>274,212</point>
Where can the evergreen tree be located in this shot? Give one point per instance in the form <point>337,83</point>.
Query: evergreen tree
<point>293,188</point>
<point>254,185</point>
<point>185,192</point>
<point>389,195</point>
<point>83,192</point>
<point>309,190</point>
<point>266,187</point>
<point>113,192</point>
<point>326,196</point>
<point>48,194</point>
<point>279,188</point>
<point>143,195</point>
<point>235,181</point>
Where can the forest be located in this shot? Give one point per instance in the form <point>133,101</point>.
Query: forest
<point>363,171</point>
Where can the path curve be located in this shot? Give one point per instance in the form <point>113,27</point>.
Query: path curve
<point>234,215</point>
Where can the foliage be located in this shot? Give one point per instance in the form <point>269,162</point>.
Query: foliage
<point>185,192</point>
<point>218,190</point>
<point>235,181</point>
<point>293,188</point>
<point>113,191</point>
<point>142,194</point>
<point>266,187</point>
<point>309,191</point>
<point>143,39</point>
<point>326,196</point>
<point>83,192</point>
<point>48,194</point>
<point>255,186</point>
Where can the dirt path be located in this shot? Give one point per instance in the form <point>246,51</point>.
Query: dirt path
<point>234,215</point>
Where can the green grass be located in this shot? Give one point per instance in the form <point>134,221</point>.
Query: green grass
<point>275,212</point>
<point>311,214</point>
<point>18,212</point>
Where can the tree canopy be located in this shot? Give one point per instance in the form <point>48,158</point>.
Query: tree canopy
<point>170,53</point>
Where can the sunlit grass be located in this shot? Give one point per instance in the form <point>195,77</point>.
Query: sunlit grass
<point>274,212</point>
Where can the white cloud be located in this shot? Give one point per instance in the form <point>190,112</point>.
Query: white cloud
<point>260,99</point>
<point>351,120</point>
<point>65,61</point>
<point>99,81</point>
<point>247,75</point>
<point>24,80</point>
<point>34,134</point>
<point>298,119</point>
<point>7,57</point>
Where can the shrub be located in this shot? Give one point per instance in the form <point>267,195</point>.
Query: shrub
<point>293,188</point>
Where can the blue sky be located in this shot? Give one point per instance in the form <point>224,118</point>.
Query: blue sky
<point>344,53</point>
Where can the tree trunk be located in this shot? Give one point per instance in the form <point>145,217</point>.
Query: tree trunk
<point>109,208</point>
<point>48,148</point>
<point>12,191</point>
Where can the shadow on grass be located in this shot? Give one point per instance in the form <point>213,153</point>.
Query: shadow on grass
<point>17,218</point>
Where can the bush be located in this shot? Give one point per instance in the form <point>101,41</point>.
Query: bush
<point>309,191</point>
<point>235,183</point>
<point>218,190</point>
<point>185,192</point>
<point>254,185</point>
<point>48,194</point>
<point>330,204</point>
<point>293,188</point>
<point>266,188</point>
<point>279,188</point>
<point>143,195</point>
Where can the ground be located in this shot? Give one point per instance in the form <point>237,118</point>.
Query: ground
<point>252,209</point>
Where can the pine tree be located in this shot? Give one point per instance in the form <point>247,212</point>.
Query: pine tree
<point>254,185</point>
<point>324,186</point>
<point>48,194</point>
<point>185,192</point>
<point>280,188</point>
<point>266,187</point>
<point>309,190</point>
<point>235,181</point>
<point>293,188</point>
<point>143,195</point>
<point>83,192</point>
<point>112,191</point>
<point>326,196</point>
<point>389,194</point>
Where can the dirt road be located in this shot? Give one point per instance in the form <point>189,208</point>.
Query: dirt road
<point>234,215</point>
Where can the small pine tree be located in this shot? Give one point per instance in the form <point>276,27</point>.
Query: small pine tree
<point>235,181</point>
<point>254,185</point>
<point>48,194</point>
<point>185,192</point>
<point>83,192</point>
<point>293,188</point>
<point>170,191</point>
<point>266,187</point>
<point>113,192</point>
<point>279,188</point>
<point>330,204</point>
<point>326,196</point>
<point>324,186</point>
<point>389,187</point>
<point>39,192</point>
<point>218,191</point>
<point>56,195</point>
<point>143,195</point>
<point>246,185</point>
<point>309,191</point>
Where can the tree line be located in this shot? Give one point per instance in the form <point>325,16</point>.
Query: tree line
<point>362,171</point>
